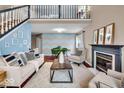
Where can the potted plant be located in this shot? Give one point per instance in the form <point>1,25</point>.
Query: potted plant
<point>57,50</point>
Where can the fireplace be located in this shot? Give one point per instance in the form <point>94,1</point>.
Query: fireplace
<point>106,57</point>
<point>104,61</point>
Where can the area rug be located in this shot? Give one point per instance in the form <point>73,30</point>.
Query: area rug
<point>81,77</point>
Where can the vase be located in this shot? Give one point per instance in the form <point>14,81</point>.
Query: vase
<point>61,58</point>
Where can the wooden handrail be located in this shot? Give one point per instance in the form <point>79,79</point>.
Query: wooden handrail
<point>10,9</point>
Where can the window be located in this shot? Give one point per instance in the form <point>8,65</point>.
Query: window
<point>79,41</point>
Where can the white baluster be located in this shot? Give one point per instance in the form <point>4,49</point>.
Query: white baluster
<point>9,19</point>
<point>20,17</point>
<point>13,18</point>
<point>22,14</point>
<point>17,16</point>
<point>6,28</point>
<point>2,23</point>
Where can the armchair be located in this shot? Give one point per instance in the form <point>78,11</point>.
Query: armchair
<point>78,59</point>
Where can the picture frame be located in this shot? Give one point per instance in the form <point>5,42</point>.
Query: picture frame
<point>101,38</point>
<point>25,42</point>
<point>95,36</point>
<point>20,34</point>
<point>7,44</point>
<point>14,35</point>
<point>14,41</point>
<point>109,36</point>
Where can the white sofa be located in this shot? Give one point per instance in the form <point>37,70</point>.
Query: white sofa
<point>16,75</point>
<point>110,80</point>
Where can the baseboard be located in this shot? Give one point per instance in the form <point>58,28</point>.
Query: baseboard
<point>87,64</point>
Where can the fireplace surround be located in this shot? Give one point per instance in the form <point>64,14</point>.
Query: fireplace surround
<point>107,57</point>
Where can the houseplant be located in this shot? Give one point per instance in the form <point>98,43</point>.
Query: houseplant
<point>57,50</point>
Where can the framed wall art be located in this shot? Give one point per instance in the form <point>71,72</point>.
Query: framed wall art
<point>109,36</point>
<point>7,44</point>
<point>101,37</point>
<point>14,41</point>
<point>20,34</point>
<point>95,36</point>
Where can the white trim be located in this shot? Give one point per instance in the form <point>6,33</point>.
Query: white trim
<point>113,58</point>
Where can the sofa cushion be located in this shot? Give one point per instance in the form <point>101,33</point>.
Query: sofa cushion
<point>114,74</point>
<point>102,77</point>
<point>26,69</point>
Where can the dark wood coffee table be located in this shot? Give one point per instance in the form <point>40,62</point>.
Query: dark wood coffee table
<point>58,66</point>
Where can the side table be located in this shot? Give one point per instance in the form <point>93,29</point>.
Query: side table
<point>2,78</point>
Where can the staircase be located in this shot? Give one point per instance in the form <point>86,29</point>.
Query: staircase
<point>12,17</point>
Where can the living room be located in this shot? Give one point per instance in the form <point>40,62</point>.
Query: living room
<point>85,40</point>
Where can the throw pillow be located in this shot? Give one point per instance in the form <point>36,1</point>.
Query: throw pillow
<point>30,55</point>
<point>23,57</point>
<point>37,55</point>
<point>14,63</point>
<point>10,60</point>
<point>20,62</point>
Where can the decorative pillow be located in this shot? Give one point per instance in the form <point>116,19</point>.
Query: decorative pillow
<point>10,60</point>
<point>37,55</point>
<point>30,55</point>
<point>14,63</point>
<point>20,62</point>
<point>23,57</point>
<point>6,55</point>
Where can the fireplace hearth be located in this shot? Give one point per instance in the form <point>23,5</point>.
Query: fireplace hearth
<point>107,57</point>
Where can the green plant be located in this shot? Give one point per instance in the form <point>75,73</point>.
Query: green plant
<point>57,50</point>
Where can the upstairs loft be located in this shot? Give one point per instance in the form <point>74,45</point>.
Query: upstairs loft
<point>16,15</point>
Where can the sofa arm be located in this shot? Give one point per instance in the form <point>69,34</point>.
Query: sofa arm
<point>114,74</point>
<point>42,57</point>
<point>13,75</point>
<point>103,85</point>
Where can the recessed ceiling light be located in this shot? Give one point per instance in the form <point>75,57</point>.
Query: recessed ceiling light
<point>59,30</point>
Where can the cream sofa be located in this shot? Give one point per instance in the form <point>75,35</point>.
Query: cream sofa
<point>16,76</point>
<point>110,80</point>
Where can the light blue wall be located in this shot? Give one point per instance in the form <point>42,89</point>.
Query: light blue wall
<point>50,41</point>
<point>17,40</point>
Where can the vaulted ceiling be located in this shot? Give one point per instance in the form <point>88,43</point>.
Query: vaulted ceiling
<point>49,25</point>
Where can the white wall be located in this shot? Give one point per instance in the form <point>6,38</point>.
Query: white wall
<point>101,16</point>
<point>50,41</point>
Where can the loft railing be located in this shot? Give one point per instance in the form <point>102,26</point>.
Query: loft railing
<point>12,17</point>
<point>60,12</point>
